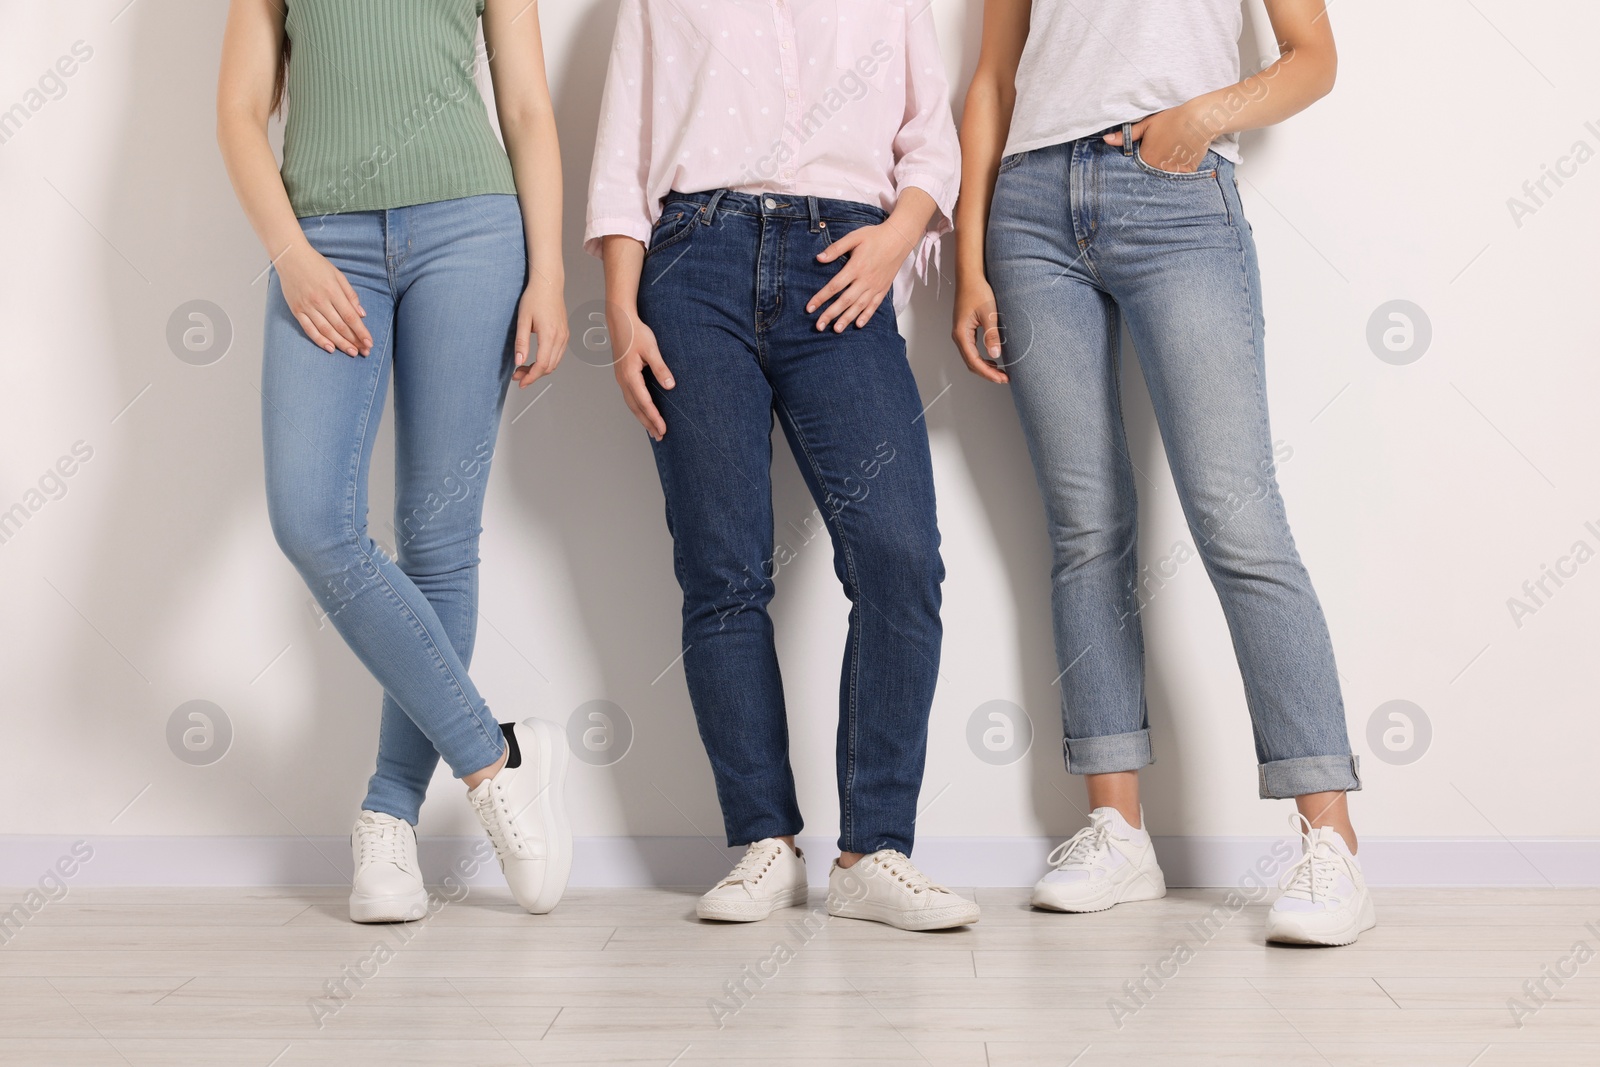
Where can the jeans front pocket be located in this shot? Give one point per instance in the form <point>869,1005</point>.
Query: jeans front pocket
<point>1210,172</point>
<point>1011,162</point>
<point>1173,195</point>
<point>833,230</point>
<point>675,224</point>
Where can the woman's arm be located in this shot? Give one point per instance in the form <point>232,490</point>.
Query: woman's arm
<point>927,176</point>
<point>985,123</point>
<point>876,256</point>
<point>322,299</point>
<point>1177,139</point>
<point>633,344</point>
<point>528,124</point>
<point>620,214</point>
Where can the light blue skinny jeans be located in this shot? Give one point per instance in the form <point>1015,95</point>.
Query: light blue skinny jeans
<point>1084,237</point>
<point>440,283</point>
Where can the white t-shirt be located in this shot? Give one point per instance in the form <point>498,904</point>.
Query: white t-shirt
<point>1090,64</point>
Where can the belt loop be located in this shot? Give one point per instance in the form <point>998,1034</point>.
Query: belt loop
<point>709,212</point>
<point>816,214</point>
<point>1127,138</point>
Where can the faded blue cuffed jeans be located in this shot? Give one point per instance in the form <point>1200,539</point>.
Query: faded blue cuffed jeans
<point>1084,237</point>
<point>440,283</point>
<point>724,288</point>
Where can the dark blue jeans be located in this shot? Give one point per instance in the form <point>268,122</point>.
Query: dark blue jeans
<point>725,287</point>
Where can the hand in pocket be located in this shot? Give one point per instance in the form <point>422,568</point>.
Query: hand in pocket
<point>1168,140</point>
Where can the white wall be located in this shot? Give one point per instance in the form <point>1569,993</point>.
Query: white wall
<point>1423,495</point>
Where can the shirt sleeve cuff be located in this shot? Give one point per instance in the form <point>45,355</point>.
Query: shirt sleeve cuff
<point>601,228</point>
<point>926,259</point>
<point>944,198</point>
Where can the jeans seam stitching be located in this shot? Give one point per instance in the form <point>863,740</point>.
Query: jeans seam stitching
<point>387,585</point>
<point>1258,373</point>
<point>1115,334</point>
<point>1258,342</point>
<point>847,806</point>
<point>761,325</point>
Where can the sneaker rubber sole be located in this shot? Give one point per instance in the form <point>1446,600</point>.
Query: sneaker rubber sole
<point>963,914</point>
<point>1144,887</point>
<point>552,814</point>
<point>749,911</point>
<point>401,909</point>
<point>1290,928</point>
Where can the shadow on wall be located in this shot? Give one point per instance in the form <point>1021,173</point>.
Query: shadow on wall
<point>185,534</point>
<point>980,420</point>
<point>575,466</point>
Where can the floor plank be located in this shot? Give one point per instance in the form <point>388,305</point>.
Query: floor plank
<point>281,978</point>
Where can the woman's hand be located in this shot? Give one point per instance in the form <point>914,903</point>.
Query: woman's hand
<point>323,302</point>
<point>876,254</point>
<point>1169,140</point>
<point>541,311</point>
<point>975,311</point>
<point>633,344</point>
<point>1303,73</point>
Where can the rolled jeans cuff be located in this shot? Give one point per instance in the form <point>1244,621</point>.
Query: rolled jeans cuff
<point>1285,778</point>
<point>1108,754</point>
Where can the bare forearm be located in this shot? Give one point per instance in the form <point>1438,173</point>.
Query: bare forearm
<point>984,124</point>
<point>252,52</point>
<point>535,150</point>
<point>623,258</point>
<point>253,170</point>
<point>1304,73</point>
<point>912,213</point>
<point>1299,78</point>
<point>511,32</point>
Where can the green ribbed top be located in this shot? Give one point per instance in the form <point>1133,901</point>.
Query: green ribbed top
<point>383,112</point>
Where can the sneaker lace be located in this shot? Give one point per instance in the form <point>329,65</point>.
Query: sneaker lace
<point>380,842</point>
<point>758,859</point>
<point>898,866</point>
<point>1081,848</point>
<point>1311,877</point>
<point>496,816</point>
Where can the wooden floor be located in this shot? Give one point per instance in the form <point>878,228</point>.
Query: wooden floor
<point>176,977</point>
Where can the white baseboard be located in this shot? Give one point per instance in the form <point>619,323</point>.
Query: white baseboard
<point>693,861</point>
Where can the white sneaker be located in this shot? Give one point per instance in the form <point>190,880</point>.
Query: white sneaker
<point>885,887</point>
<point>772,875</point>
<point>523,811</point>
<point>1106,863</point>
<point>1325,899</point>
<point>388,883</point>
